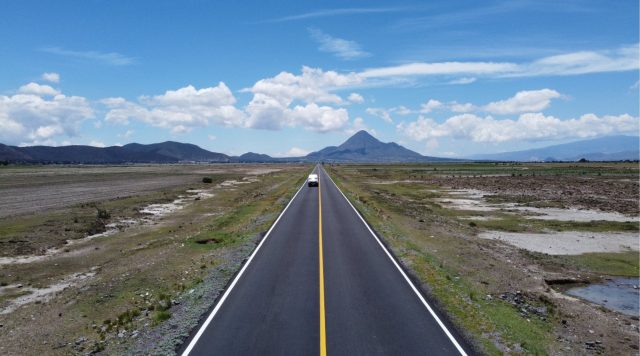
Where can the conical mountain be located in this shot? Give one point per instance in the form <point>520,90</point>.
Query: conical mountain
<point>363,147</point>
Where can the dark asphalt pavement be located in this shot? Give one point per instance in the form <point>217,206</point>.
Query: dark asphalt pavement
<point>274,305</point>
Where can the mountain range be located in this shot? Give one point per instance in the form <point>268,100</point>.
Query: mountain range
<point>361,147</point>
<point>611,148</point>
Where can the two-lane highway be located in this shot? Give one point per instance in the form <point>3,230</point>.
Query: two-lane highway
<point>321,282</point>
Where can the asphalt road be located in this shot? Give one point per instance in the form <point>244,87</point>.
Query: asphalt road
<point>321,283</point>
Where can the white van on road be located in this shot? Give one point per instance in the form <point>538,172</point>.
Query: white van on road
<point>312,181</point>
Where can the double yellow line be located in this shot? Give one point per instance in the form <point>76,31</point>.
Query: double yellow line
<point>323,328</point>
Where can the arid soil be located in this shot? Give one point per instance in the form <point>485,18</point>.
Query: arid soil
<point>509,300</point>
<point>131,269</point>
<point>592,192</point>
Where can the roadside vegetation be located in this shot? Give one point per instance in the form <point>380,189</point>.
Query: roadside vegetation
<point>139,289</point>
<point>504,298</point>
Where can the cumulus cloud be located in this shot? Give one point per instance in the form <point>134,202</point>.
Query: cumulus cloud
<point>341,48</point>
<point>51,77</point>
<point>38,89</point>
<point>430,105</point>
<point>462,107</point>
<point>294,152</point>
<point>523,101</point>
<point>96,143</point>
<point>179,110</point>
<point>37,113</point>
<point>355,98</point>
<point>274,103</point>
<point>527,127</point>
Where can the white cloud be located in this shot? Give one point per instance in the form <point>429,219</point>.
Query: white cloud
<point>355,98</point>
<point>432,144</point>
<point>273,98</point>
<point>96,143</point>
<point>38,89</point>
<point>442,68</point>
<point>463,81</point>
<point>430,105</point>
<point>384,114</point>
<point>179,110</point>
<point>336,12</point>
<point>212,137</point>
<point>523,101</point>
<point>621,59</point>
<point>126,134</point>
<point>318,118</point>
<point>624,58</point>
<point>460,108</point>
<point>295,152</point>
<point>180,129</point>
<point>110,58</point>
<point>38,113</point>
<point>402,110</point>
<point>359,125</point>
<point>341,48</point>
<point>528,127</point>
<point>636,85</point>
<point>51,77</point>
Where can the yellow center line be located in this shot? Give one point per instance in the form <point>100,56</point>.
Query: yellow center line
<point>323,331</point>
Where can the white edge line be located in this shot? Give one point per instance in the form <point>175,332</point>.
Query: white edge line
<point>194,341</point>
<point>406,278</point>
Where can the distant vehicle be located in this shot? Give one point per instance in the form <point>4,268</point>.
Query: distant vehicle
<point>312,180</point>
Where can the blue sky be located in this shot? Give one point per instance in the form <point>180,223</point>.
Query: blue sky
<point>285,78</point>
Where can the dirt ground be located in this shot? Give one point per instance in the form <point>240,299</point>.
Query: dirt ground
<point>508,300</point>
<point>30,189</point>
<point>588,192</point>
<point>131,268</point>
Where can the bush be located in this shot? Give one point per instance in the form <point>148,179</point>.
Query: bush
<point>207,180</point>
<point>103,214</point>
<point>161,316</point>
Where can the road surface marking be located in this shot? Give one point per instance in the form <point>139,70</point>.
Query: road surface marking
<point>194,341</point>
<point>406,278</point>
<point>323,330</point>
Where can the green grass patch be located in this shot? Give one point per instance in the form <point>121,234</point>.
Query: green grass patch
<point>615,264</point>
<point>160,316</point>
<point>515,223</point>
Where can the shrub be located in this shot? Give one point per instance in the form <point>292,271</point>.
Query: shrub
<point>207,180</point>
<point>161,316</point>
<point>103,214</point>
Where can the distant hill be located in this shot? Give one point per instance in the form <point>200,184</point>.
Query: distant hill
<point>611,148</point>
<point>362,147</point>
<point>251,157</point>
<point>165,152</point>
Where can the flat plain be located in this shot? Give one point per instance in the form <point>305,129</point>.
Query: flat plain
<point>127,259</point>
<point>447,223</point>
